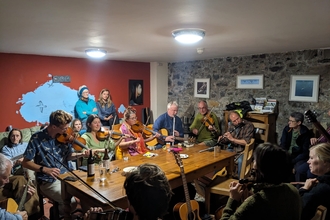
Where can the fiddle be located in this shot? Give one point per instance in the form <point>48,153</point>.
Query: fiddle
<point>207,121</point>
<point>78,143</point>
<point>139,127</point>
<point>103,135</point>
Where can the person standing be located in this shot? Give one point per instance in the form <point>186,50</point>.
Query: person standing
<point>85,106</point>
<point>44,154</point>
<point>106,109</point>
<point>169,121</point>
<point>206,135</point>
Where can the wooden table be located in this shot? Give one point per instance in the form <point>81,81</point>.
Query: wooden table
<point>196,165</point>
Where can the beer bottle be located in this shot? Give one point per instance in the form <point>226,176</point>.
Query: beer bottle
<point>106,160</point>
<point>90,165</point>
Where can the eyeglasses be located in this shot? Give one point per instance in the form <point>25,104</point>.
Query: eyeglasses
<point>292,121</point>
<point>134,118</point>
<point>235,120</point>
<point>201,108</point>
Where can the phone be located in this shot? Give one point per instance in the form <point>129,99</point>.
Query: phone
<point>71,178</point>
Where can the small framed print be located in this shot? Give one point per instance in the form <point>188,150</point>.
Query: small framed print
<point>202,88</point>
<point>250,82</point>
<point>304,88</point>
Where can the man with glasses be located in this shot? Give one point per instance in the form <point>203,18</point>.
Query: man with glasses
<point>238,135</point>
<point>296,140</point>
<point>45,153</point>
<point>205,126</point>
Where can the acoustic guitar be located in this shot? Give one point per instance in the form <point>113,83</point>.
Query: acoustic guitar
<point>10,204</point>
<point>190,209</point>
<point>311,117</point>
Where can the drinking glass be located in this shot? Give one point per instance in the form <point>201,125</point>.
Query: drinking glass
<point>102,172</point>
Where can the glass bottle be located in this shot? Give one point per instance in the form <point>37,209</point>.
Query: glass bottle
<point>90,164</point>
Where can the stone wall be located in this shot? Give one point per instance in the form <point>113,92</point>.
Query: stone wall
<point>276,68</point>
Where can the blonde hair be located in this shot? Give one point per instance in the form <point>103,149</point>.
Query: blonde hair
<point>127,113</point>
<point>108,102</point>
<point>322,151</point>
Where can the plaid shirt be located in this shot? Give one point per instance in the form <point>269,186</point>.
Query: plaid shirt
<point>246,132</point>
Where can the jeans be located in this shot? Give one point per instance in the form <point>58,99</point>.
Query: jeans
<point>239,162</point>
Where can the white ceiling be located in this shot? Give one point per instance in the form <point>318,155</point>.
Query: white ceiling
<point>140,30</point>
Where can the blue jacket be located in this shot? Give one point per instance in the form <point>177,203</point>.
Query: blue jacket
<point>87,107</point>
<point>8,216</point>
<point>165,121</point>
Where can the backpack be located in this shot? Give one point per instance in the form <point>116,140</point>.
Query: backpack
<point>240,107</point>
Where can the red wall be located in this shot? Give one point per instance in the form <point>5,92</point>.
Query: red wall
<point>20,74</point>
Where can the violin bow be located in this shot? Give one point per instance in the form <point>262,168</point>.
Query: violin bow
<point>84,183</point>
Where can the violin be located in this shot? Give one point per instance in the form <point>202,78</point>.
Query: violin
<point>207,120</point>
<point>139,127</point>
<point>103,135</point>
<point>78,143</point>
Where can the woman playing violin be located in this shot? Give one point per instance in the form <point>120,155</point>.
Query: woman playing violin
<point>93,125</point>
<point>273,198</point>
<point>205,126</point>
<point>133,147</point>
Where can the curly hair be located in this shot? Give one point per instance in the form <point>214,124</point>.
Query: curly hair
<point>128,111</point>
<point>59,117</point>
<point>148,191</point>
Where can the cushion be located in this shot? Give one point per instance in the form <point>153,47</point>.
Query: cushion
<point>26,133</point>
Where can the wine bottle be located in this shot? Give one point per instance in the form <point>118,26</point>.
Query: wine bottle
<point>106,160</point>
<point>90,164</point>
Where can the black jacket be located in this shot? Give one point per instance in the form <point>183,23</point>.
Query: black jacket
<point>303,142</point>
<point>318,195</point>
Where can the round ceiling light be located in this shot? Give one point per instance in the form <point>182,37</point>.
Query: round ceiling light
<point>96,53</point>
<point>188,36</point>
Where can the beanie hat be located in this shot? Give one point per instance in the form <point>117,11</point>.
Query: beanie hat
<point>81,90</point>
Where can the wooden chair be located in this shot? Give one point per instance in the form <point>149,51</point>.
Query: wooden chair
<point>116,127</point>
<point>220,185</point>
<point>261,132</point>
<point>321,213</point>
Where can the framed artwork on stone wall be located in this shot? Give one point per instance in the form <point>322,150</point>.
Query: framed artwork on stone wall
<point>304,88</point>
<point>250,82</point>
<point>202,88</point>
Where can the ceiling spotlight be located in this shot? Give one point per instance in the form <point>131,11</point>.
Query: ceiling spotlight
<point>96,53</point>
<point>188,36</point>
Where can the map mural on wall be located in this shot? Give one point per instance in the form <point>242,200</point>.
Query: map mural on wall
<point>37,105</point>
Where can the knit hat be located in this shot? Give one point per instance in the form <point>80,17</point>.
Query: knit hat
<point>81,90</point>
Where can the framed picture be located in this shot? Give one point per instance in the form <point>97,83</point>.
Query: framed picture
<point>202,88</point>
<point>304,88</point>
<point>250,82</point>
<point>135,92</point>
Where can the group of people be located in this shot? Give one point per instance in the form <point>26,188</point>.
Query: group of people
<point>274,166</point>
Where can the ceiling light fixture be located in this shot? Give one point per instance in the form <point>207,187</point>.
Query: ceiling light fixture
<point>189,35</point>
<point>96,53</point>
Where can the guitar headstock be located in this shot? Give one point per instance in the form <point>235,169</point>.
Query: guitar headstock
<point>310,116</point>
<point>177,158</point>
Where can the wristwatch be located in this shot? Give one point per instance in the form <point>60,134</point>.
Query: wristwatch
<point>41,169</point>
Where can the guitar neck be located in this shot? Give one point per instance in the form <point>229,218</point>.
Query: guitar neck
<point>186,191</point>
<point>322,130</point>
<point>23,198</point>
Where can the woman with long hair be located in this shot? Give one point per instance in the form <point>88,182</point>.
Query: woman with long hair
<point>106,108</point>
<point>15,147</point>
<point>272,197</point>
